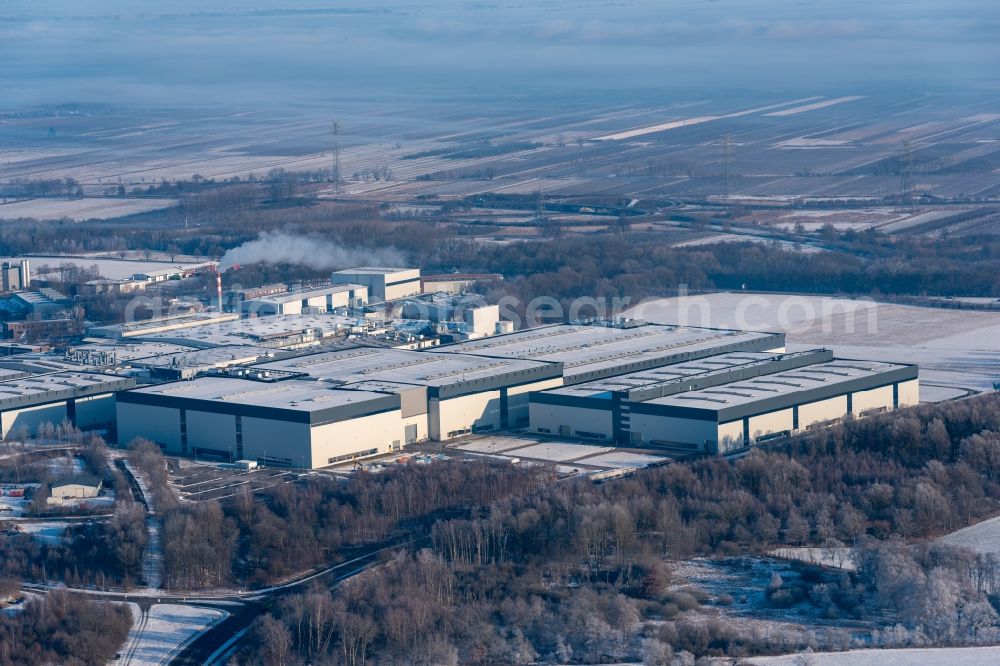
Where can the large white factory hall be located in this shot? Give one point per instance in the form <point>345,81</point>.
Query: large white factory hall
<point>625,382</point>
<point>723,403</point>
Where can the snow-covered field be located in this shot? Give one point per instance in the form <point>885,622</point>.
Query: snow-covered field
<point>109,267</point>
<point>229,161</point>
<point>10,156</point>
<point>81,209</point>
<point>983,537</point>
<point>697,120</point>
<point>739,238</point>
<point>954,348</point>
<point>919,218</point>
<point>815,105</point>
<point>47,531</point>
<point>977,656</point>
<point>12,507</point>
<point>154,638</point>
<point>813,220</point>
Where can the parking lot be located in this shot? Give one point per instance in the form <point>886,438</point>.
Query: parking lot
<point>198,482</point>
<point>202,481</point>
<point>568,458</point>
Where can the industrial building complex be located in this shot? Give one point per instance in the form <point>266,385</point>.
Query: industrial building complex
<point>415,395</point>
<point>325,299</point>
<point>721,403</point>
<point>84,400</point>
<point>625,383</point>
<point>290,423</point>
<point>593,352</point>
<point>456,393</point>
<point>366,364</point>
<point>383,284</point>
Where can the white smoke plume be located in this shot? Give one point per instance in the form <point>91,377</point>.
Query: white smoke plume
<point>278,247</point>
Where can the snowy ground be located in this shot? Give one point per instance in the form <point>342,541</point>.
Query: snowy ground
<point>954,348</point>
<point>111,267</point>
<point>491,445</point>
<point>18,606</point>
<point>80,209</point>
<point>920,218</point>
<point>140,480</point>
<point>981,656</point>
<point>744,580</point>
<point>155,636</point>
<point>558,452</point>
<point>622,459</point>
<point>152,558</point>
<point>839,558</point>
<point>568,457</point>
<point>66,465</point>
<point>983,537</point>
<point>722,237</point>
<point>937,393</point>
<point>106,500</point>
<point>47,531</point>
<point>12,507</point>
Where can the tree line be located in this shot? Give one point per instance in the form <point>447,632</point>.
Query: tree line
<point>104,553</point>
<point>519,569</point>
<point>258,538</point>
<point>63,628</point>
<point>637,267</point>
<point>632,264</point>
<point>577,572</point>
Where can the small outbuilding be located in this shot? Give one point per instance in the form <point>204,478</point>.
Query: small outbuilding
<point>79,486</point>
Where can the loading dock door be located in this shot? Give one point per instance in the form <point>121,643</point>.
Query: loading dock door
<point>410,433</point>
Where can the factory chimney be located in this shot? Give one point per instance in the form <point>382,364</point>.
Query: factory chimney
<point>218,287</point>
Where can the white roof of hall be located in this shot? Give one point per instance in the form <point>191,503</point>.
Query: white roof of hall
<point>91,357</point>
<point>666,373</point>
<point>375,270</point>
<point>208,357</point>
<point>130,351</point>
<point>838,371</point>
<point>295,394</point>
<point>364,364</point>
<point>291,296</point>
<point>584,349</point>
<point>59,385</point>
<point>250,331</point>
<point>179,322</point>
<point>8,373</point>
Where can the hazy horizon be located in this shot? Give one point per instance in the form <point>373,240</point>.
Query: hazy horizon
<point>289,52</point>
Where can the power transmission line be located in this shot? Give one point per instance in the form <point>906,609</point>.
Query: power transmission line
<point>725,164</point>
<point>335,169</point>
<point>906,176</point>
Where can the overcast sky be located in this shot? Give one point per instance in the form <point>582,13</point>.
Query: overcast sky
<point>182,51</point>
